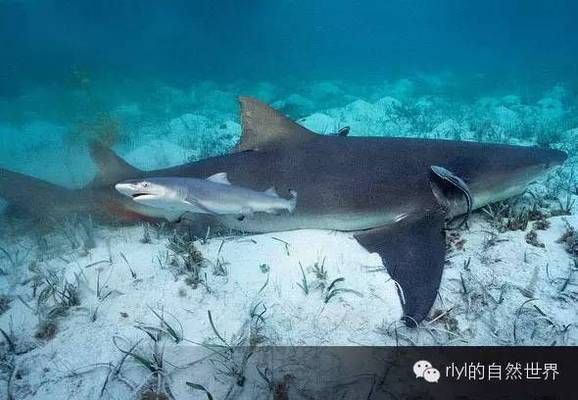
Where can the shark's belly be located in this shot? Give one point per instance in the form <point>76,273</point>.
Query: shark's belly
<point>341,222</point>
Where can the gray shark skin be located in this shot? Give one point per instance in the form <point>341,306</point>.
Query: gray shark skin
<point>383,190</point>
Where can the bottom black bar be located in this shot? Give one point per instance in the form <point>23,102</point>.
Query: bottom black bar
<point>409,372</point>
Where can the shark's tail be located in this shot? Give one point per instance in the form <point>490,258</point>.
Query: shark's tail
<point>32,195</point>
<point>292,200</point>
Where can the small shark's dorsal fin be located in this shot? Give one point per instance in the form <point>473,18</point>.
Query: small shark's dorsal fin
<point>111,168</point>
<point>266,128</point>
<point>272,191</point>
<point>220,177</point>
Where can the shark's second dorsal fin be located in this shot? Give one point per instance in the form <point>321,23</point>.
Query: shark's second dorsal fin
<point>266,128</point>
<point>111,168</point>
<point>220,177</point>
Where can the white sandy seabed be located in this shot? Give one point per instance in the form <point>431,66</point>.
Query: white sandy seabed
<point>269,289</point>
<point>509,293</point>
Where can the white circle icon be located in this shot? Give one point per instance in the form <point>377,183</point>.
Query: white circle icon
<point>431,375</point>
<point>420,367</point>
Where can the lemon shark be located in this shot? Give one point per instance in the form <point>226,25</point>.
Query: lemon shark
<point>393,194</point>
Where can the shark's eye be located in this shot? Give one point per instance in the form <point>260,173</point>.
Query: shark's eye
<point>145,184</point>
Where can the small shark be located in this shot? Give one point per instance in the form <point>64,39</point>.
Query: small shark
<point>393,194</point>
<point>214,196</point>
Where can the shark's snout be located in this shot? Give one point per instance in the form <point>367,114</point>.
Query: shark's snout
<point>559,157</point>
<point>550,159</point>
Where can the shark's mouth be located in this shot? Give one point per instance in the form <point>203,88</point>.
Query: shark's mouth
<point>136,195</point>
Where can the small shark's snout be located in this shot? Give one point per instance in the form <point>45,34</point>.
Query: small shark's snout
<point>126,188</point>
<point>137,189</point>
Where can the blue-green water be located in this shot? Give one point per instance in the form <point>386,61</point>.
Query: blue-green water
<point>126,73</point>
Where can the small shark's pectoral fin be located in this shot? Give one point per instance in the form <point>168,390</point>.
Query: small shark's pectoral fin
<point>343,131</point>
<point>445,182</point>
<point>220,177</point>
<point>200,208</point>
<point>175,218</point>
<point>413,251</point>
<point>266,128</point>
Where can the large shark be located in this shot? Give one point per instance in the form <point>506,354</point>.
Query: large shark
<point>393,194</point>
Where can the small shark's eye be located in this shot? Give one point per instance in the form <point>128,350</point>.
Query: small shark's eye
<point>145,184</point>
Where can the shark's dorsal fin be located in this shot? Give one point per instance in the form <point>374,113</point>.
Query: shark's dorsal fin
<point>272,191</point>
<point>111,167</point>
<point>220,177</point>
<point>266,128</point>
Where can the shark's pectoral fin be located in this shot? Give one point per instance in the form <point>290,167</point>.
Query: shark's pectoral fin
<point>413,251</point>
<point>446,186</point>
<point>199,208</point>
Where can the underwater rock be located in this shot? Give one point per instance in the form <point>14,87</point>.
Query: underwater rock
<point>228,134</point>
<point>449,129</point>
<point>360,110</point>
<point>264,91</point>
<point>219,100</point>
<point>403,88</point>
<point>158,154</point>
<point>387,104</point>
<point>320,123</point>
<point>202,135</point>
<point>506,118</point>
<point>188,124</point>
<point>325,89</point>
<point>569,140</point>
<point>295,105</point>
<point>551,109</point>
<point>511,100</point>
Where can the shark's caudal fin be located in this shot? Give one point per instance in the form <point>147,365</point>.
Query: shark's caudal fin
<point>34,196</point>
<point>413,251</point>
<point>111,168</point>
<point>265,128</point>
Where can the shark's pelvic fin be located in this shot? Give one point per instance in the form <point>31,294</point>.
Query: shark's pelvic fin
<point>265,128</point>
<point>111,167</point>
<point>413,251</point>
<point>220,177</point>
